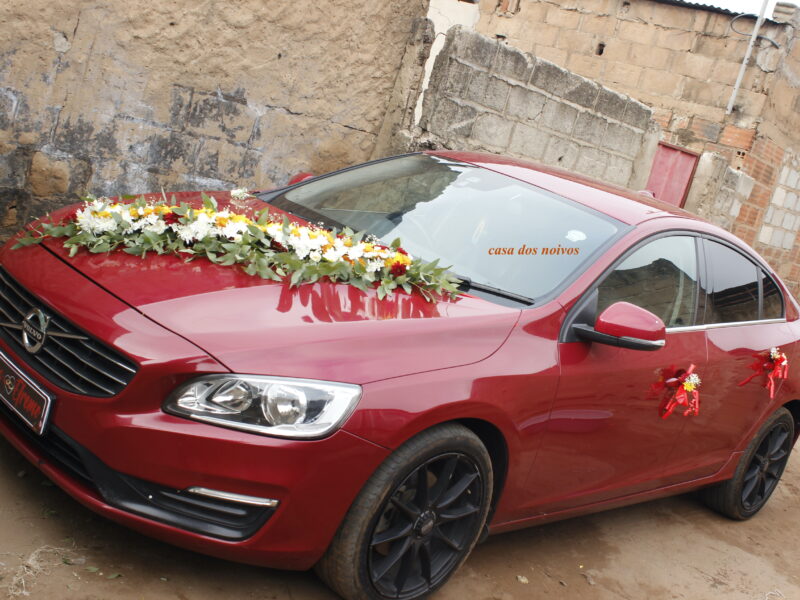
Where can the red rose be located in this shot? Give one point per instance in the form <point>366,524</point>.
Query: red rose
<point>278,246</point>
<point>398,269</point>
<point>401,251</point>
<point>171,218</point>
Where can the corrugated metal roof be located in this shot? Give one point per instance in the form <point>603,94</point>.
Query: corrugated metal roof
<point>699,6</point>
<point>710,8</point>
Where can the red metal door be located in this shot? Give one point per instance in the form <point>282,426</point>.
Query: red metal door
<point>672,172</point>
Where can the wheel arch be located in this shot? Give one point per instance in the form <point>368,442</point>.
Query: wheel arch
<point>495,443</point>
<point>793,406</point>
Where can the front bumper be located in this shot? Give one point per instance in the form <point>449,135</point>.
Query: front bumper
<point>315,483</point>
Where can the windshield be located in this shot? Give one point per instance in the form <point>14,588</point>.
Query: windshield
<point>493,229</point>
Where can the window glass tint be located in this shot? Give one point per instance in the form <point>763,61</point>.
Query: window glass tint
<point>494,229</point>
<point>732,293</point>
<point>773,302</point>
<point>660,277</point>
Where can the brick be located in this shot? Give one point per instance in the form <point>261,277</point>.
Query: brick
<point>611,104</point>
<point>496,94</point>
<point>618,170</point>
<point>737,137</point>
<point>473,48</point>
<point>478,84</point>
<point>452,119</point>
<point>561,153</point>
<point>524,103</point>
<point>559,116</point>
<point>554,55</point>
<point>599,25</point>
<point>725,71</point>
<point>765,235</point>
<point>456,77</point>
<point>582,91</point>
<point>551,78</point>
<point>622,139</point>
<point>592,162</point>
<point>650,56</point>
<point>492,130</point>
<point>641,33</point>
<point>576,42</point>
<point>676,17</point>
<point>566,19</point>
<point>705,92</point>
<point>674,39</point>
<point>619,74</point>
<point>528,141</point>
<point>663,83</point>
<point>693,65</point>
<point>662,116</point>
<point>706,130</point>
<point>590,128</point>
<point>587,66</point>
<point>513,64</point>
<point>732,48</point>
<point>616,50</point>
<point>542,34</point>
<point>637,114</point>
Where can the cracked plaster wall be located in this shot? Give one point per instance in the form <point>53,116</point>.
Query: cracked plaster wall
<point>130,97</point>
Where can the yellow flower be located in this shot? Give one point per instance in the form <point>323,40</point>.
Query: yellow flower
<point>221,221</point>
<point>101,213</point>
<point>689,387</point>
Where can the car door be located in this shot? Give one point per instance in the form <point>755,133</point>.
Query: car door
<point>605,436</point>
<point>744,319</point>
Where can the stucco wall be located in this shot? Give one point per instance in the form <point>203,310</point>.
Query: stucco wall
<point>112,97</point>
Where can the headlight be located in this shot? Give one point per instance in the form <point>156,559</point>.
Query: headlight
<point>278,406</point>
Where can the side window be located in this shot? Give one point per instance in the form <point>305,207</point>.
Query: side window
<point>732,287</point>
<point>772,308</point>
<point>660,277</point>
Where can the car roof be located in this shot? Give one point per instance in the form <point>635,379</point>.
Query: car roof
<point>620,203</point>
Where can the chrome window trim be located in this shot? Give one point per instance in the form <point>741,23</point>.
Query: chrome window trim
<point>718,325</point>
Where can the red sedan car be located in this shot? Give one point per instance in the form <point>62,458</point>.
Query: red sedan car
<point>606,349</point>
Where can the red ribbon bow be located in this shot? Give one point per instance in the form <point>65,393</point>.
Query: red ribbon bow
<point>775,367</point>
<point>682,396</point>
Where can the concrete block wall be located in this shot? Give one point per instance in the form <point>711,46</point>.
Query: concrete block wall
<point>486,95</point>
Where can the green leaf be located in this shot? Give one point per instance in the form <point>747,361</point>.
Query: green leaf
<point>114,576</point>
<point>209,202</point>
<point>93,569</point>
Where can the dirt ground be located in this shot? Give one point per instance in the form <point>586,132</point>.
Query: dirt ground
<point>52,548</point>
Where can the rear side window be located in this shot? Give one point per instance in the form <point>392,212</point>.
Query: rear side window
<point>732,286</point>
<point>660,277</point>
<point>773,301</point>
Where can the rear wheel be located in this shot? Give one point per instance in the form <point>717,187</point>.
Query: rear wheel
<point>758,472</point>
<point>415,521</point>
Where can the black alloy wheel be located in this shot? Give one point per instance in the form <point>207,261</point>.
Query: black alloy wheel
<point>759,470</point>
<point>766,466</point>
<point>425,525</point>
<point>416,519</point>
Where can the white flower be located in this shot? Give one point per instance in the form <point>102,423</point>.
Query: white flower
<point>374,265</point>
<point>693,379</point>
<point>315,255</point>
<point>240,194</point>
<point>356,252</point>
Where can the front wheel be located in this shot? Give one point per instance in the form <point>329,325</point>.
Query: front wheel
<point>416,519</point>
<point>759,471</point>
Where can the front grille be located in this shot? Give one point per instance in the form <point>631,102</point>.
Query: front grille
<point>69,358</point>
<point>209,516</point>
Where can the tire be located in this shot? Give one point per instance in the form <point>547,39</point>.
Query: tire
<point>759,470</point>
<point>404,540</point>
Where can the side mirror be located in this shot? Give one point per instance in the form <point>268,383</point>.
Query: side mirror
<point>626,325</point>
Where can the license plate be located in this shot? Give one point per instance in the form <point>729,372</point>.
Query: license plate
<point>23,396</point>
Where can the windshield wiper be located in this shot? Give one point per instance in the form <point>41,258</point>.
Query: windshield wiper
<point>467,284</point>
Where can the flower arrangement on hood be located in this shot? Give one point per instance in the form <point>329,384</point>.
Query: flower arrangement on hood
<point>266,245</point>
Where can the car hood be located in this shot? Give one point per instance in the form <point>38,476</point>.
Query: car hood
<point>320,331</point>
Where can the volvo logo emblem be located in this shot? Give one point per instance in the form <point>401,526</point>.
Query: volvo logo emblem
<point>34,330</point>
